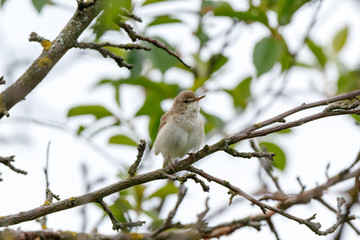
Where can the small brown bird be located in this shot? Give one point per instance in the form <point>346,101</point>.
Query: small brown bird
<point>181,129</point>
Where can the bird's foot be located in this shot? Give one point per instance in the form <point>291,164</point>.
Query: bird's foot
<point>171,165</point>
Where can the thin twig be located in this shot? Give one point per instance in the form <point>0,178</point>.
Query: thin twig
<point>49,195</point>
<point>181,194</point>
<point>322,201</point>
<point>7,162</point>
<point>272,228</point>
<point>46,169</point>
<point>265,164</point>
<point>275,96</point>
<point>116,224</point>
<point>314,226</point>
<point>302,198</point>
<point>134,36</point>
<point>192,176</point>
<point>141,148</point>
<point>97,46</point>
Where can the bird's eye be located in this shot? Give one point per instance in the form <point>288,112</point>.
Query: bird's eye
<point>186,101</point>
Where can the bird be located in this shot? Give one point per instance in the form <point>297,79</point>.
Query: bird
<point>181,128</point>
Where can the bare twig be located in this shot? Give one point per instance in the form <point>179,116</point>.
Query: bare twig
<point>48,58</point>
<point>265,164</point>
<point>192,176</point>
<point>141,148</point>
<point>119,60</point>
<point>126,13</point>
<point>181,194</point>
<point>250,132</point>
<point>48,193</point>
<point>235,153</point>
<point>134,36</point>
<point>272,228</point>
<point>7,162</point>
<point>46,169</point>
<point>301,184</point>
<point>314,226</point>
<point>275,96</point>
<point>225,229</point>
<point>97,46</point>
<point>116,224</point>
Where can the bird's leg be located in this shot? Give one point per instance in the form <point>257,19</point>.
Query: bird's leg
<point>171,165</point>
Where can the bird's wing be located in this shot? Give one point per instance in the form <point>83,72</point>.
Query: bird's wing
<point>164,119</point>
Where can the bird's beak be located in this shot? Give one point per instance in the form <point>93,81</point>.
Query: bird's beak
<point>199,98</point>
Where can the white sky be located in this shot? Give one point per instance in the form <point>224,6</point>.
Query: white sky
<point>309,148</point>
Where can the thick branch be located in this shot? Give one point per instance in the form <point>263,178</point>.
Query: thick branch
<point>48,58</point>
<point>207,150</point>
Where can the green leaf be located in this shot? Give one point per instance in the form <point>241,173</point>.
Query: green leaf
<point>269,5</point>
<point>151,106</point>
<point>156,221</point>
<point>96,110</point>
<point>216,62</point>
<point>165,19</point>
<point>152,1</point>
<point>280,158</point>
<point>120,208</point>
<point>160,58</point>
<point>340,39</point>
<point>137,59</point>
<point>139,195</point>
<point>254,14</point>
<point>266,53</point>
<point>211,122</point>
<point>2,3</point>
<point>110,16</point>
<point>164,191</point>
<point>122,139</point>
<point>241,93</point>
<point>104,23</point>
<point>81,128</point>
<point>202,36</point>
<point>356,117</point>
<point>286,9</point>
<point>318,52</point>
<point>219,8</point>
<point>349,81</point>
<point>39,4</point>
<point>284,131</point>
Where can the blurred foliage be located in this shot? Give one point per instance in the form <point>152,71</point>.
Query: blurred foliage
<point>280,157</point>
<point>151,70</point>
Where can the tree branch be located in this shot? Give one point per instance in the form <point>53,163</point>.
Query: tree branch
<point>134,36</point>
<point>314,226</point>
<point>7,162</point>
<point>116,224</point>
<point>49,57</point>
<point>141,148</point>
<point>249,132</point>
